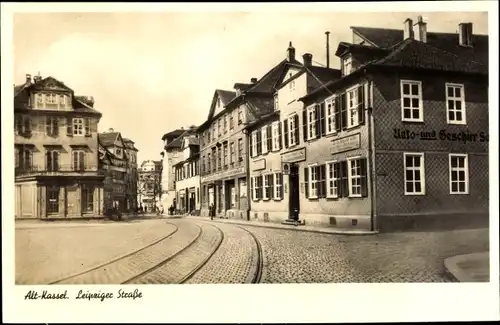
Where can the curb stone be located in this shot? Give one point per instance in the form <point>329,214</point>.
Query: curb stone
<point>456,272</point>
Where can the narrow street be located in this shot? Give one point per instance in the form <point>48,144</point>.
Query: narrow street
<point>197,250</point>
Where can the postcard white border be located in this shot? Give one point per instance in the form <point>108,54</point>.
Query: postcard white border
<point>251,303</point>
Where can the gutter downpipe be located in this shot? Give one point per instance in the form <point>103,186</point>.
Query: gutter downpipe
<point>371,160</point>
<point>247,161</point>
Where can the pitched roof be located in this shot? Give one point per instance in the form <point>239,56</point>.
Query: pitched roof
<point>268,82</point>
<point>225,95</point>
<point>108,138</point>
<point>172,134</point>
<point>387,38</point>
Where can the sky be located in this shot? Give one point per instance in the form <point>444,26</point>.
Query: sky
<point>150,73</point>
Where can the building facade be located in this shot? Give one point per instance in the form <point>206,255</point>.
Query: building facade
<point>172,154</point>
<point>408,146</point>
<point>132,175</point>
<point>187,177</point>
<point>115,167</point>
<point>56,152</point>
<point>149,185</point>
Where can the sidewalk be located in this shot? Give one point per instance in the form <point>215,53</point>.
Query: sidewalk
<point>470,267</point>
<point>274,225</point>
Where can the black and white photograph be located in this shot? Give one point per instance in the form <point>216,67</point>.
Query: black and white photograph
<point>248,147</point>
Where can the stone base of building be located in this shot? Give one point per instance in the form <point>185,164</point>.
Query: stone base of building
<point>433,222</point>
<point>229,214</point>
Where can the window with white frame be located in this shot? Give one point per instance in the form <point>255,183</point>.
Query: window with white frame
<point>276,135</point>
<point>455,103</point>
<point>332,179</point>
<point>39,99</point>
<point>347,65</point>
<point>292,139</point>
<point>330,115</point>
<point>411,101</point>
<point>62,100</point>
<point>255,188</point>
<point>459,174</point>
<point>267,180</point>
<point>414,174</point>
<point>78,126</point>
<point>51,98</point>
<point>354,172</point>
<point>313,181</point>
<point>276,103</point>
<point>254,143</point>
<point>311,122</point>
<point>263,133</point>
<point>352,107</point>
<point>278,186</point>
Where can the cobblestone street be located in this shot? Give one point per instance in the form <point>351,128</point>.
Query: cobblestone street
<point>197,250</point>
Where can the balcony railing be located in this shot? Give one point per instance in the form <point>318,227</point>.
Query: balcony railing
<point>56,170</point>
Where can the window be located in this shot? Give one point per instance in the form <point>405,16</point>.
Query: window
<point>52,160</point>
<point>330,115</point>
<point>52,126</point>
<point>352,108</point>
<point>254,143</point>
<point>411,101</point>
<point>225,124</point>
<point>240,149</point>
<point>276,103</point>
<point>23,125</point>
<point>455,104</point>
<point>278,186</point>
<point>219,159</point>
<point>414,174</point>
<point>79,160</point>
<point>276,136</point>
<point>39,100</point>
<point>78,126</point>
<point>313,182</point>
<point>232,153</point>
<point>51,98</point>
<point>311,122</point>
<point>52,200</point>
<point>24,158</point>
<point>87,199</point>
<point>62,100</point>
<point>255,188</point>
<point>264,136</point>
<point>219,131</point>
<point>354,169</point>
<point>293,127</point>
<point>225,154</point>
<point>347,65</point>
<point>268,184</point>
<point>332,179</point>
<point>240,116</point>
<point>118,152</point>
<point>459,174</point>
<point>209,169</point>
<point>231,122</point>
<point>203,164</point>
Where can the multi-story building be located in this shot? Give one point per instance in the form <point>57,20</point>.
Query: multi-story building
<point>149,184</point>
<point>172,154</point>
<point>279,140</point>
<point>132,175</point>
<point>115,167</point>
<point>56,152</point>
<point>187,176</point>
<point>404,142</point>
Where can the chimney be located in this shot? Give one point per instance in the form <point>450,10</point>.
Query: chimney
<point>253,80</point>
<point>90,101</point>
<point>408,30</point>
<point>421,30</point>
<point>465,34</point>
<point>291,53</point>
<point>111,130</point>
<point>327,49</point>
<point>307,59</point>
<point>28,79</point>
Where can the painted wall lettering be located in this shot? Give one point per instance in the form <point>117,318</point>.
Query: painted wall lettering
<point>442,135</point>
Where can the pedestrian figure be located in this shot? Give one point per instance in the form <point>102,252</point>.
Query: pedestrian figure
<point>211,211</point>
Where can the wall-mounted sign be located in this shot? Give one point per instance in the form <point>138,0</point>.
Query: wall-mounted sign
<point>224,174</point>
<point>294,156</point>
<point>351,142</point>
<point>259,164</point>
<point>442,135</point>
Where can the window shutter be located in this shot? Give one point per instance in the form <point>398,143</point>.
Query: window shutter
<point>322,181</point>
<point>259,142</point>
<point>285,132</point>
<point>361,104</point>
<point>69,127</point>
<point>318,121</point>
<point>252,154</point>
<point>48,125</point>
<point>296,118</point>
<point>337,112</point>
<point>280,141</point>
<point>306,181</point>
<point>344,181</point>
<point>75,160</point>
<point>343,110</point>
<point>269,133</point>
<point>280,175</point>
<point>322,114</point>
<point>82,160</point>
<point>304,124</point>
<point>336,167</point>
<point>251,188</point>
<point>56,126</point>
<point>87,127</point>
<point>364,178</point>
<point>56,159</point>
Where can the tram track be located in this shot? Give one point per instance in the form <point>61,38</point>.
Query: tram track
<point>259,265</point>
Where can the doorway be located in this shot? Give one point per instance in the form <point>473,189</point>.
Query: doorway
<point>294,188</point>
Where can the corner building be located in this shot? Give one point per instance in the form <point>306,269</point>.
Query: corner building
<point>406,143</point>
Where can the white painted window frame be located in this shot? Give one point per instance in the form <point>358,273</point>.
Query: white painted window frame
<point>254,144</point>
<point>419,97</point>
<point>330,166</point>
<point>291,128</point>
<point>330,115</point>
<point>311,122</point>
<point>351,177</point>
<point>278,188</point>
<point>463,121</point>
<point>263,137</point>
<point>465,169</point>
<point>421,170</point>
<point>312,167</point>
<point>352,110</point>
<point>275,134</point>
<point>78,122</point>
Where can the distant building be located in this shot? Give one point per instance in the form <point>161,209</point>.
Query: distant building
<point>115,167</point>
<point>149,184</point>
<point>56,165</point>
<point>132,174</point>
<point>187,176</point>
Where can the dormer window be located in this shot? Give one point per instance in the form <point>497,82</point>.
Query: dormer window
<point>118,152</point>
<point>276,102</point>
<point>346,65</point>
